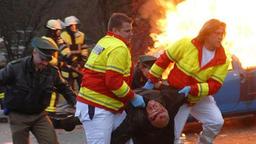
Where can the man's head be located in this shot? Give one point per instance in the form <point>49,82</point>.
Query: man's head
<point>121,24</point>
<point>157,114</point>
<point>212,33</point>
<point>43,52</point>
<point>54,28</point>
<point>71,22</point>
<point>145,63</point>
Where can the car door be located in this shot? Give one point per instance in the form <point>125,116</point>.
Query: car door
<point>238,93</point>
<point>227,98</point>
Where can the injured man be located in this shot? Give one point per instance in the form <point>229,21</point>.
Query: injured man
<point>153,124</point>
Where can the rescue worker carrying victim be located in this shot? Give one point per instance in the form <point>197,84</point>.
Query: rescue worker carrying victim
<point>200,67</point>
<point>105,88</point>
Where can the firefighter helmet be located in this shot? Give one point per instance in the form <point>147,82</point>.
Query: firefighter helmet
<point>54,24</point>
<point>71,20</point>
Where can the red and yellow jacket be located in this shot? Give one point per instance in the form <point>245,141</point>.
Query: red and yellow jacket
<point>186,55</point>
<point>107,75</point>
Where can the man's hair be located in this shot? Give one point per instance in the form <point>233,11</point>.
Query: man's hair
<point>209,27</point>
<point>117,19</point>
<point>150,95</point>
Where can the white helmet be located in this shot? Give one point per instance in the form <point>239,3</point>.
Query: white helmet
<point>54,24</point>
<point>63,25</point>
<point>71,20</point>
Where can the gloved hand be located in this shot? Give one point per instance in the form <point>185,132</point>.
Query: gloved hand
<point>185,90</point>
<point>138,101</point>
<point>148,85</point>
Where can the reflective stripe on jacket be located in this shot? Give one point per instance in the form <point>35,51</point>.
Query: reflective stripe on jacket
<point>186,55</point>
<point>107,75</point>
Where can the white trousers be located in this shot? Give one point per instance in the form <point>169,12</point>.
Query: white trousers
<point>99,129</point>
<point>207,112</point>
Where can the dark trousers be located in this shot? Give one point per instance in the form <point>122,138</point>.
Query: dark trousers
<point>39,124</point>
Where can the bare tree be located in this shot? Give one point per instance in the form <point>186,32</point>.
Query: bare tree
<point>19,21</point>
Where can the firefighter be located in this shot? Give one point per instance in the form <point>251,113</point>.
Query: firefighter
<point>105,89</point>
<point>200,67</point>
<point>53,31</point>
<point>75,40</point>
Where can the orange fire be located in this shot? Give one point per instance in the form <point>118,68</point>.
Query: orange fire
<point>187,17</point>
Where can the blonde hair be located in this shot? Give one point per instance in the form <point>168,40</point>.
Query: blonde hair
<point>209,27</point>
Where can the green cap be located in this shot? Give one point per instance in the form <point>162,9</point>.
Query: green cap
<point>44,47</point>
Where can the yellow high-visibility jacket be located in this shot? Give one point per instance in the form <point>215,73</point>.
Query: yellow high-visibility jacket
<point>186,55</point>
<point>107,75</point>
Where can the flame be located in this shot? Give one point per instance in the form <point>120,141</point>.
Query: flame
<point>187,18</point>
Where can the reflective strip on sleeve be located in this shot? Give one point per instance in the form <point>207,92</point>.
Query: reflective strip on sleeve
<point>122,91</point>
<point>203,89</point>
<point>156,71</point>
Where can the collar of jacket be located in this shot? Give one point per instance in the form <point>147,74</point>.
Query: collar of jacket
<point>118,37</point>
<point>219,57</point>
<point>30,65</point>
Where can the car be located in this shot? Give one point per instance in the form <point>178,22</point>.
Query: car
<point>238,94</point>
